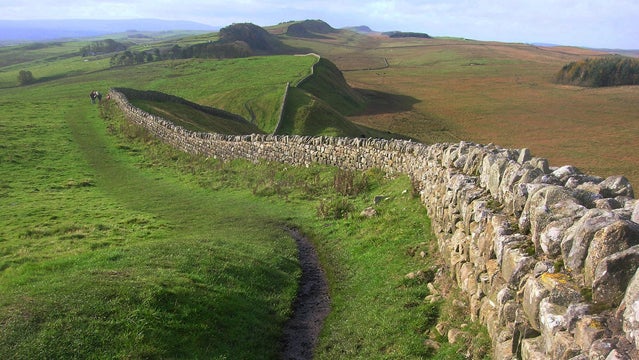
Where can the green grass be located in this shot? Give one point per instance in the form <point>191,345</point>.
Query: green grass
<point>105,257</point>
<point>308,115</point>
<point>364,256</point>
<point>193,119</point>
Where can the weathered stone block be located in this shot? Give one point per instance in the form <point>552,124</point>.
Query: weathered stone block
<point>533,349</point>
<point>600,349</point>
<point>503,242</point>
<point>563,347</point>
<point>515,264</point>
<point>614,186</point>
<point>524,155</point>
<point>575,245</point>
<point>493,168</point>
<point>503,350</point>
<point>547,204</point>
<point>565,172</point>
<point>614,238</point>
<point>508,312</point>
<point>550,238</point>
<point>630,307</point>
<point>551,321</point>
<point>466,278</point>
<point>589,329</point>
<point>612,276</point>
<point>617,355</point>
<point>534,292</point>
<point>574,313</point>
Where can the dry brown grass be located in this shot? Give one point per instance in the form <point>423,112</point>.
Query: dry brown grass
<point>489,92</point>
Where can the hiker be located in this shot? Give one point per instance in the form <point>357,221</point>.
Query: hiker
<point>93,95</point>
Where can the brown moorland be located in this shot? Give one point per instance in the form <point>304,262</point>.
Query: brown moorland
<point>441,90</point>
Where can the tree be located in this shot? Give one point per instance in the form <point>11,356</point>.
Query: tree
<point>25,77</point>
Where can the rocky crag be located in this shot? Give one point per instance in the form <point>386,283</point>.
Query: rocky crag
<point>547,256</point>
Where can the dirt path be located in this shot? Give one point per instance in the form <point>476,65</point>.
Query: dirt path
<point>311,306</point>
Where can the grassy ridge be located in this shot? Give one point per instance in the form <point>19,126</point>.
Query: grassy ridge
<point>329,84</point>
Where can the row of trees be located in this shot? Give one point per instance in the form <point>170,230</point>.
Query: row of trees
<point>102,47</point>
<point>597,72</point>
<point>211,50</point>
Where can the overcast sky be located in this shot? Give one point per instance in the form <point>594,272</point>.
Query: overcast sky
<point>589,23</point>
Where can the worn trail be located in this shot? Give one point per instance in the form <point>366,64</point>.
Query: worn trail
<point>311,306</point>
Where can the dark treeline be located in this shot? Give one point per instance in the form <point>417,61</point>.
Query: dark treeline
<point>597,72</point>
<point>208,51</point>
<point>102,47</point>
<point>402,34</point>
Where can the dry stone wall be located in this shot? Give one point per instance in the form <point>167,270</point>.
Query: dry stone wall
<point>547,257</point>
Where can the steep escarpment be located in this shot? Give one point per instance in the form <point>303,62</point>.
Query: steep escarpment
<point>328,83</point>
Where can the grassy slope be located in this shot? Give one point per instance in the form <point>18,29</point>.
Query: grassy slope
<point>492,92</point>
<point>102,257</point>
<point>193,119</point>
<point>306,114</point>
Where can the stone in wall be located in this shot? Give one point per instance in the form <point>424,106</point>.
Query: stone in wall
<point>576,242</point>
<point>616,237</point>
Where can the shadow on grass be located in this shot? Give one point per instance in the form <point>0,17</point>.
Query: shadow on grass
<point>379,102</point>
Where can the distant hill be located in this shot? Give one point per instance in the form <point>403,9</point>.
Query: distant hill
<point>240,40</point>
<point>362,29</point>
<point>258,39</point>
<point>43,30</point>
<point>310,29</point>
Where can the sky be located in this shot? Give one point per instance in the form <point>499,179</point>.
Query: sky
<point>610,24</point>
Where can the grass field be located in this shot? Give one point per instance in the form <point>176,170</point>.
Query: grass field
<point>103,257</point>
<point>487,92</point>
